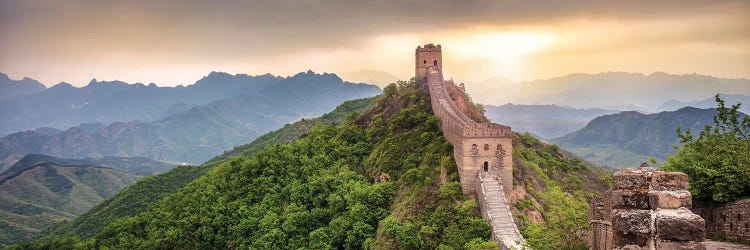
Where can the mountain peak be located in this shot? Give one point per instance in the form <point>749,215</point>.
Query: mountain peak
<point>63,85</point>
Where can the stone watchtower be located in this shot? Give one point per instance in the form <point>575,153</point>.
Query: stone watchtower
<point>428,56</point>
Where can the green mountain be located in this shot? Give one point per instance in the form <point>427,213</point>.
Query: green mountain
<point>383,179</point>
<point>630,138</point>
<point>47,194</point>
<point>137,197</point>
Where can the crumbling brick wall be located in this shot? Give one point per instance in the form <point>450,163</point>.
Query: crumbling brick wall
<point>647,209</point>
<point>729,221</point>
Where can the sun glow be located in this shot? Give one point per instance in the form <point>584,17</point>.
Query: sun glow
<point>498,53</point>
<point>501,45</point>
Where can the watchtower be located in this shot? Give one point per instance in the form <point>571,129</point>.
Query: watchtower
<point>426,57</point>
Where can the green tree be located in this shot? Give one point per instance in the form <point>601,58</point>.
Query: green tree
<point>718,160</point>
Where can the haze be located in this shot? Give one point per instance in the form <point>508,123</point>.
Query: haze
<point>177,42</point>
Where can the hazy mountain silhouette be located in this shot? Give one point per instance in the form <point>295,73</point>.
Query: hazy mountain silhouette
<point>11,88</point>
<point>709,102</point>
<point>199,133</point>
<point>611,90</point>
<point>546,121</point>
<point>64,105</point>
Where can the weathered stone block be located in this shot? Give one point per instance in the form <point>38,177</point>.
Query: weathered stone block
<point>661,180</point>
<point>632,247</point>
<point>631,180</point>
<point>626,199</point>
<point>679,245</point>
<point>679,225</point>
<point>631,241</point>
<point>670,199</point>
<point>631,221</point>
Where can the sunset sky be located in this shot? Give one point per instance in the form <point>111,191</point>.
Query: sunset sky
<point>177,41</point>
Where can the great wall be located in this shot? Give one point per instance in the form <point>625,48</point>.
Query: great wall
<point>647,209</point>
<point>483,151</point>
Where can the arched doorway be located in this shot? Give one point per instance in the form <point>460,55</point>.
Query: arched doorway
<point>434,63</point>
<point>486,166</point>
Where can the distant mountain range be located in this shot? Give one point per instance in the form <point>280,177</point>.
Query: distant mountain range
<point>40,192</point>
<point>63,105</point>
<point>140,166</point>
<point>611,90</point>
<point>730,99</point>
<point>546,121</point>
<point>190,133</point>
<point>26,86</point>
<point>629,138</point>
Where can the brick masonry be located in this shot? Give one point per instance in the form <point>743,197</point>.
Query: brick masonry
<point>729,221</point>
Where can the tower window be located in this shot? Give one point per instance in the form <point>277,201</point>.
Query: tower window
<point>425,61</point>
<point>486,166</point>
<point>434,62</point>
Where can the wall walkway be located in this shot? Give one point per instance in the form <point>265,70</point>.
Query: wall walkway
<point>489,185</point>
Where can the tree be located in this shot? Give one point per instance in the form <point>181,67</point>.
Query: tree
<point>718,160</point>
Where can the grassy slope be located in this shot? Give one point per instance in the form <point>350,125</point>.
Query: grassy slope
<point>49,194</point>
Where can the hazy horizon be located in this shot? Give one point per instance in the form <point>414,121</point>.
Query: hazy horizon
<point>176,42</point>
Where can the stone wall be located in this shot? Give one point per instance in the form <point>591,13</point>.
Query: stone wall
<point>477,147</point>
<point>480,149</point>
<point>647,209</point>
<point>730,221</point>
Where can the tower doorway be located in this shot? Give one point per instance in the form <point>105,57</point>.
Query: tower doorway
<point>486,166</point>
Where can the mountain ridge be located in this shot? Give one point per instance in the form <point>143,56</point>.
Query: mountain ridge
<point>609,138</point>
<point>213,127</point>
<point>63,105</point>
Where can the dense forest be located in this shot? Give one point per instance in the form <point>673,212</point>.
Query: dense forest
<point>383,178</point>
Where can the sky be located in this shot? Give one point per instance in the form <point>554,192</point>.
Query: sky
<point>175,42</point>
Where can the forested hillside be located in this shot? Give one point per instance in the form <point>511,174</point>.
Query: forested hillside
<point>136,198</point>
<point>630,138</point>
<point>382,179</point>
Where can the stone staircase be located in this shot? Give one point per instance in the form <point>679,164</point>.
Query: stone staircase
<point>496,211</point>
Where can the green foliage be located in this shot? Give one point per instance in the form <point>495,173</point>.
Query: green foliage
<point>320,192</point>
<point>131,200</point>
<point>137,197</point>
<point>718,160</point>
<point>562,184</point>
